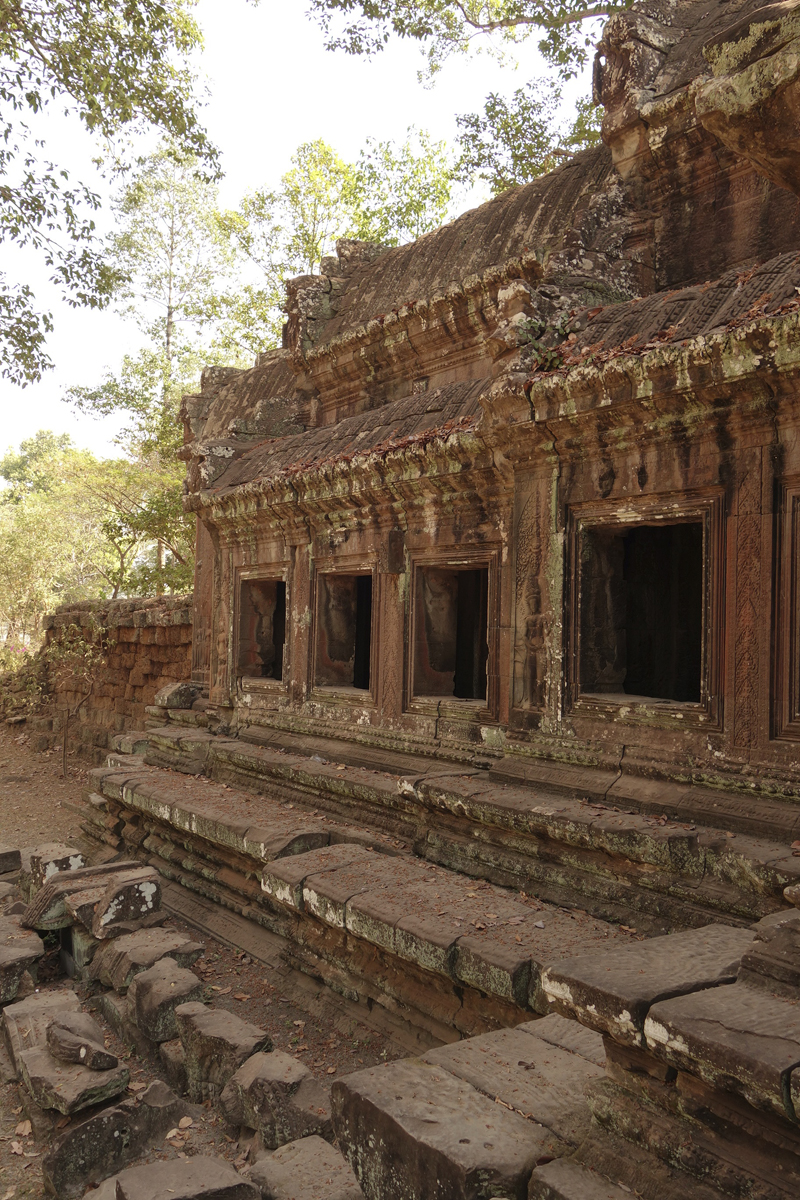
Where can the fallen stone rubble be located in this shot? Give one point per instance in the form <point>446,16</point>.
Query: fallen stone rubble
<point>76,1093</point>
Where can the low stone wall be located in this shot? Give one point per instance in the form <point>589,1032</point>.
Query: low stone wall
<point>141,646</point>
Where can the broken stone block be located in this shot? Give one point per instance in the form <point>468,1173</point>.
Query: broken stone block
<point>19,950</point>
<point>108,1140</point>
<point>129,896</point>
<point>10,859</point>
<point>278,1096</point>
<point>77,1038</point>
<point>154,995</point>
<point>26,1022</point>
<point>216,1043</point>
<point>68,1087</point>
<point>177,695</point>
<point>613,990</point>
<point>117,962</point>
<point>407,1123</point>
<point>194,1179</point>
<point>308,1169</point>
<point>48,909</point>
<point>50,858</point>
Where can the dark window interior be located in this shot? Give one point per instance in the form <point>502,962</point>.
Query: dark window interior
<point>262,628</point>
<point>641,619</point>
<point>451,650</point>
<point>344,630</point>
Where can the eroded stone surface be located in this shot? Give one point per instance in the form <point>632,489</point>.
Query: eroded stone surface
<point>307,1169</point>
<point>737,1038</point>
<point>68,1087</point>
<point>613,991</point>
<point>277,1095</point>
<point>408,1123</point>
<point>216,1043</point>
<point>198,1178</point>
<point>154,995</point>
<point>77,1038</point>
<point>51,857</point>
<point>128,896</point>
<point>542,1082</point>
<point>116,963</point>
<point>19,950</point>
<point>108,1140</point>
<point>10,859</point>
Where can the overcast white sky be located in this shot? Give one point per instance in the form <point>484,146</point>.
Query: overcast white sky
<point>272,86</point>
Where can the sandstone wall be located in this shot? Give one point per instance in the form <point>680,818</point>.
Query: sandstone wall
<point>147,643</point>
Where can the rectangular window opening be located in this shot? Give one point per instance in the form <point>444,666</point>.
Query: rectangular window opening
<point>262,628</point>
<point>344,631</point>
<point>641,611</point>
<point>451,633</point>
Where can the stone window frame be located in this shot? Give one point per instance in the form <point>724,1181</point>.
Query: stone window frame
<point>273,573</point>
<point>704,505</point>
<point>786,663</point>
<point>349,564</point>
<point>453,557</point>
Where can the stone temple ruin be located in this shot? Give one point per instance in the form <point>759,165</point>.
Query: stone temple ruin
<point>495,664</point>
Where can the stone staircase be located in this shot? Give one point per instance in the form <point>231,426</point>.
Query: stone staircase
<point>665,1068</point>
<point>627,849</point>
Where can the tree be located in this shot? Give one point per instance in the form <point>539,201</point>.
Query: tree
<point>444,27</point>
<point>402,191</point>
<point>117,67</point>
<point>390,194</point>
<point>174,253</point>
<point>516,140</point>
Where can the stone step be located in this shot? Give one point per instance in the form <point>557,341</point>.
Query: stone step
<point>473,1119</point>
<point>613,844</point>
<point>305,1169</point>
<point>463,953</point>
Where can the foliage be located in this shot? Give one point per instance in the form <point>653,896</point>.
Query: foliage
<point>516,140</point>
<point>402,192</point>
<point>565,27</point>
<point>390,194</point>
<point>117,68</point>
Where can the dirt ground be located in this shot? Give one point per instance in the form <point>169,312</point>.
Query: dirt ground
<point>34,808</point>
<point>33,794</point>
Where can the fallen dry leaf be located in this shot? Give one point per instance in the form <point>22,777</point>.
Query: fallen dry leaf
<point>240,996</point>
<point>23,1129</point>
<point>136,1087</point>
<point>185,1122</point>
<point>331,1070</point>
<point>222,991</point>
<point>16,1147</point>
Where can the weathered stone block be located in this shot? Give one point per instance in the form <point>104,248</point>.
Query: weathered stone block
<point>177,695</point>
<point>129,896</point>
<point>51,857</point>
<point>278,1096</point>
<point>216,1043</point>
<point>68,1088</point>
<point>10,859</point>
<point>77,1038</point>
<point>613,990</point>
<point>195,1179</point>
<point>738,1038</point>
<point>19,950</point>
<point>154,995</point>
<point>117,962</point>
<point>542,1081</point>
<point>407,1124</point>
<point>106,1141</point>
<point>308,1169</point>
